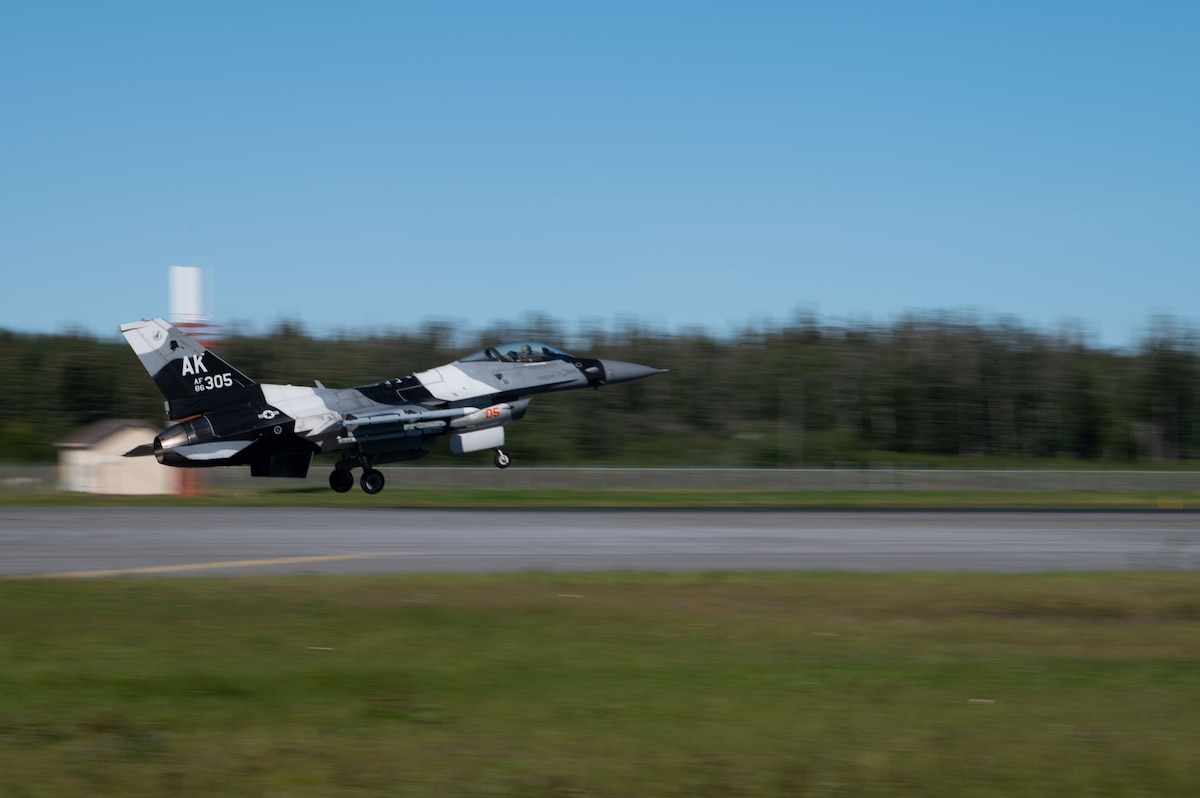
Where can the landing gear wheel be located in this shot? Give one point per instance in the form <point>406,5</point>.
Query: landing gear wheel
<point>341,480</point>
<point>501,459</point>
<point>371,481</point>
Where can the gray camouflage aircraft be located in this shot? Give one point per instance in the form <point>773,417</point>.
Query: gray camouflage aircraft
<point>220,417</point>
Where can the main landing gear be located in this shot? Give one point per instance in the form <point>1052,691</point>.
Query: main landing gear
<point>371,481</point>
<point>342,480</point>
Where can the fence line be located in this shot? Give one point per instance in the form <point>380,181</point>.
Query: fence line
<point>43,478</point>
<point>786,479</point>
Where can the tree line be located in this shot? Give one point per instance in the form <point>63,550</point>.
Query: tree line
<point>803,393</point>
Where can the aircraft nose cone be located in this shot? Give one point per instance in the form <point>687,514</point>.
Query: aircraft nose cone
<point>619,371</point>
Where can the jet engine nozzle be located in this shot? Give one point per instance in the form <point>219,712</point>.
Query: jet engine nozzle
<point>170,442</point>
<point>193,443</point>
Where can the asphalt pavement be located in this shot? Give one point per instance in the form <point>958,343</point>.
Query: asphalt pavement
<point>189,540</point>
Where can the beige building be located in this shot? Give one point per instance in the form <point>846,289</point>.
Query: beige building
<point>90,460</point>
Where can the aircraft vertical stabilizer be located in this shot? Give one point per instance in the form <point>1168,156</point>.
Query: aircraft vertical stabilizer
<point>193,379</point>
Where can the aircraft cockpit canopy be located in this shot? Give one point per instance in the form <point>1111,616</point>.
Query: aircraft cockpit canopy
<point>519,352</point>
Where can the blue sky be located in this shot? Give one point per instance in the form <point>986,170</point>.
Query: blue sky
<point>364,165</point>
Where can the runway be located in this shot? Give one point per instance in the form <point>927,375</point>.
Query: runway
<point>93,542</point>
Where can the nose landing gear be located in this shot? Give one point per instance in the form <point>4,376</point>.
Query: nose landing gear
<point>501,459</point>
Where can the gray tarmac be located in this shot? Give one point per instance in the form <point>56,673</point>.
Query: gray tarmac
<point>91,542</point>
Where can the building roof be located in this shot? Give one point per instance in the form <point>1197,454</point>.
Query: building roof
<point>97,431</point>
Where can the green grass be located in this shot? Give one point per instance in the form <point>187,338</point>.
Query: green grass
<point>400,496</point>
<point>746,684</point>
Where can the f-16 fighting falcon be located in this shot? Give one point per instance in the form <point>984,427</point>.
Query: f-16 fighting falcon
<point>219,416</point>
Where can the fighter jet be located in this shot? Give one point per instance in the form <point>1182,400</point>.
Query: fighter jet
<point>221,417</point>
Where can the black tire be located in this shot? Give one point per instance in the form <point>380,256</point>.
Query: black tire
<point>371,481</point>
<point>501,459</point>
<point>341,480</point>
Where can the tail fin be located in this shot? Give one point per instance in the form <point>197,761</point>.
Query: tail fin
<point>191,378</point>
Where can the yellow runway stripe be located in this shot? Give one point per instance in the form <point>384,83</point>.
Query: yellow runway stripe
<point>200,566</point>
